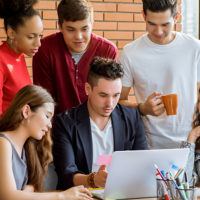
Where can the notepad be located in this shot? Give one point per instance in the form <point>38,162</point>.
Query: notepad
<point>104,160</point>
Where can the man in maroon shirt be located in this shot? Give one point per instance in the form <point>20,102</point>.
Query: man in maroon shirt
<point>62,62</point>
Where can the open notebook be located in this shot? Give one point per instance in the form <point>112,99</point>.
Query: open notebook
<point>132,173</point>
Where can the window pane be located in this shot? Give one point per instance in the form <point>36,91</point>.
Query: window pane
<point>190,15</point>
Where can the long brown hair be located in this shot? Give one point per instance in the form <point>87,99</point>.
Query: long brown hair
<point>38,153</point>
<point>196,122</point>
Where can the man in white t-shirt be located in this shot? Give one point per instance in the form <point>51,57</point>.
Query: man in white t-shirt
<point>97,127</point>
<point>162,62</point>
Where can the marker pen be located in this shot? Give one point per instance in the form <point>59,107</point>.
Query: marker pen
<point>181,190</point>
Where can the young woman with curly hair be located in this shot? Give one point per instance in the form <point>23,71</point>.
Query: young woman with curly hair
<point>193,142</point>
<point>25,148</point>
<point>23,28</point>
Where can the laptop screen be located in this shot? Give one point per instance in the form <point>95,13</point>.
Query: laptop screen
<point>132,173</point>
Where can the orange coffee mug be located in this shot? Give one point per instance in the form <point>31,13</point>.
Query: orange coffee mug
<point>171,103</point>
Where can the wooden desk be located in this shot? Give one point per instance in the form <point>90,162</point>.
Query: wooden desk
<point>146,199</point>
<point>139,199</point>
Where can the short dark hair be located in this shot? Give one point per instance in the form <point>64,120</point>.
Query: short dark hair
<point>104,68</point>
<point>15,12</point>
<point>73,10</point>
<point>160,6</point>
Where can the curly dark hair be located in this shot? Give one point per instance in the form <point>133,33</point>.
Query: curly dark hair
<point>104,68</point>
<point>196,121</point>
<point>160,6</point>
<point>14,12</point>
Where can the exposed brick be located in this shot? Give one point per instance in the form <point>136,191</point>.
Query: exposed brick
<point>50,14</point>
<point>48,32</point>
<point>114,42</point>
<point>1,23</point>
<point>28,61</point>
<point>104,7</point>
<point>118,35</point>
<point>131,91</point>
<point>138,34</point>
<point>98,33</point>
<point>120,1</point>
<point>129,8</point>
<point>131,26</point>
<point>105,26</point>
<point>30,71</point>
<point>132,98</point>
<point>179,19</point>
<point>2,33</point>
<point>120,21</point>
<point>122,43</point>
<point>98,16</point>
<point>138,18</point>
<point>118,17</point>
<point>46,5</point>
<point>49,24</point>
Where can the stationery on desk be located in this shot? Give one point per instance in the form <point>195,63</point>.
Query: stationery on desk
<point>132,173</point>
<point>171,187</point>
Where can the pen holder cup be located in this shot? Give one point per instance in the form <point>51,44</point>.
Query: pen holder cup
<point>185,194</point>
<point>165,189</point>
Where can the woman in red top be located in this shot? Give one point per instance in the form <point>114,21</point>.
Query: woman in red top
<point>24,29</point>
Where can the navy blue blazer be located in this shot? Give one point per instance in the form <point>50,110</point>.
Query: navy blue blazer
<point>72,140</point>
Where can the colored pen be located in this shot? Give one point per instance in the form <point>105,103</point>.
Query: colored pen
<point>160,174</point>
<point>163,173</point>
<point>178,173</point>
<point>181,190</point>
<point>92,189</point>
<point>165,191</point>
<point>173,180</point>
<point>170,185</point>
<point>186,185</point>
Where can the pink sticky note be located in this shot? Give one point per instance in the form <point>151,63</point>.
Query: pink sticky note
<point>104,160</point>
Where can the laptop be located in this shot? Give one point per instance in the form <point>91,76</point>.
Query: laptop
<point>132,173</point>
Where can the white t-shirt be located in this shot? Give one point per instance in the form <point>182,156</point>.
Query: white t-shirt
<point>102,142</point>
<point>170,68</point>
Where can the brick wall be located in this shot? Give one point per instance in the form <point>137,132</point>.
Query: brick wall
<point>120,21</point>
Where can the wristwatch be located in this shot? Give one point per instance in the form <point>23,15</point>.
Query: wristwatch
<point>185,144</point>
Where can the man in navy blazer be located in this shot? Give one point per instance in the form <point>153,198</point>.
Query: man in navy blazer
<point>98,126</point>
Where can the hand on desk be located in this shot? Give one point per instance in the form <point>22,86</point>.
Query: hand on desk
<point>28,188</point>
<point>101,176</point>
<point>77,193</point>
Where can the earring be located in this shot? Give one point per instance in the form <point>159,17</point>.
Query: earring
<point>10,43</point>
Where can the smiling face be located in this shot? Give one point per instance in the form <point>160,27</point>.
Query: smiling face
<point>103,97</point>
<point>77,34</point>
<point>40,121</point>
<point>160,26</point>
<point>26,39</point>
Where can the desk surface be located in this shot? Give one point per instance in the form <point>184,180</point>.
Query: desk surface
<point>141,199</point>
<point>146,199</point>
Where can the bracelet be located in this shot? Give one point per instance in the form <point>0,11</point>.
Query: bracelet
<point>90,180</point>
<point>138,107</point>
